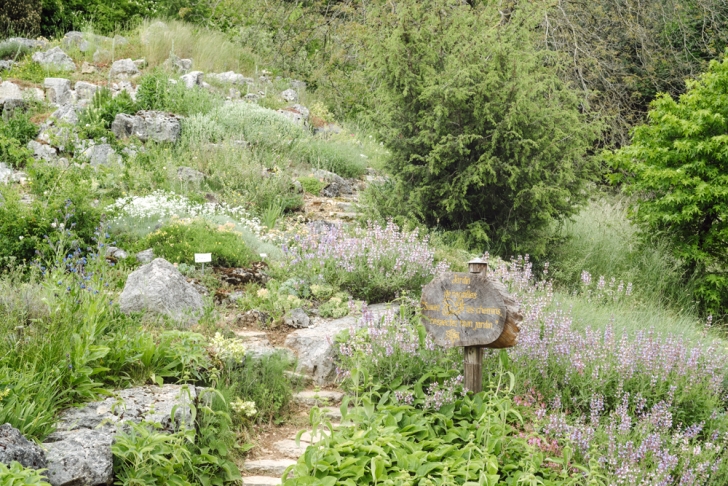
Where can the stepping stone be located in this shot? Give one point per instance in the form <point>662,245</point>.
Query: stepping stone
<point>311,398</point>
<point>289,449</point>
<point>305,380</point>
<point>260,481</point>
<point>332,414</point>
<point>267,467</point>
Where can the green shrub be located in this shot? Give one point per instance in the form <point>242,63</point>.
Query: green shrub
<point>96,119</point>
<point>17,475</point>
<point>13,153</point>
<point>485,138</point>
<point>312,185</point>
<point>156,92</point>
<point>178,242</point>
<point>676,168</point>
<point>263,381</point>
<point>15,132</point>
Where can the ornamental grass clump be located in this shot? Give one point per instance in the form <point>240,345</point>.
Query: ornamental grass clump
<point>375,263</point>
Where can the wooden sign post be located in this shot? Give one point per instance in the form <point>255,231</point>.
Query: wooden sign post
<point>472,311</point>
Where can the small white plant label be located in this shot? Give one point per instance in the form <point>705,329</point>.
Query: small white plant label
<point>203,257</point>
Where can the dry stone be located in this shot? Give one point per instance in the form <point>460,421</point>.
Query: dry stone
<point>159,288</point>
<point>147,125</point>
<point>260,481</point>
<point>267,467</point>
<point>188,174</point>
<point>192,79</point>
<point>145,256</point>
<point>102,154</point>
<point>297,318</point>
<point>15,447</point>
<point>85,91</point>
<point>81,458</point>
<point>290,95</point>
<point>230,77</point>
<point>123,69</point>
<point>55,59</point>
<point>314,347</point>
<point>58,90</point>
<point>10,91</point>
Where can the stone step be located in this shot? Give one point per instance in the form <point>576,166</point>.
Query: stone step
<point>267,467</point>
<point>260,481</point>
<point>289,449</point>
<point>311,398</point>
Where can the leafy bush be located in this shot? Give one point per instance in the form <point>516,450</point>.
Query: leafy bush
<point>374,263</point>
<point>471,441</point>
<point>312,185</point>
<point>676,168</point>
<point>29,71</point>
<point>178,242</point>
<point>156,92</point>
<point>15,474</point>
<point>485,138</point>
<point>262,381</point>
<point>15,132</point>
<point>96,119</point>
<point>145,456</point>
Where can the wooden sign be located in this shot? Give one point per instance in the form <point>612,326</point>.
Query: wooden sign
<point>472,311</point>
<point>463,309</point>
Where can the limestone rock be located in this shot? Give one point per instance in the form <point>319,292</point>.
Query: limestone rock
<point>146,403</point>
<point>290,95</point>
<point>75,39</point>
<point>297,318</point>
<point>261,481</point>
<point>192,79</point>
<point>337,184</point>
<point>116,253</point>
<point>230,77</point>
<point>123,68</point>
<point>158,287</point>
<point>188,174</point>
<point>15,447</point>
<point>314,346</point>
<point>24,43</point>
<point>6,65</point>
<point>145,256</point>
<point>42,151</point>
<point>87,68</point>
<point>267,467</point>
<point>147,125</point>
<point>293,115</point>
<point>67,113</point>
<point>10,91</point>
<point>140,63</point>
<point>8,175</point>
<point>55,59</point>
<point>311,398</point>
<point>86,91</point>
<point>58,90</point>
<point>81,458</point>
<point>102,154</point>
<point>301,109</point>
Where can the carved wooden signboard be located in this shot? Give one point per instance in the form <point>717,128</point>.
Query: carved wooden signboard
<point>463,309</point>
<point>472,311</point>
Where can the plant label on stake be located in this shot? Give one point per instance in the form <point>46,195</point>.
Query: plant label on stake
<point>469,310</point>
<point>203,258</point>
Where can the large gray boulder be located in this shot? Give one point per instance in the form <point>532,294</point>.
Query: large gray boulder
<point>140,404</point>
<point>123,69</point>
<point>147,125</point>
<point>86,91</point>
<point>192,79</point>
<point>24,43</point>
<point>290,95</point>
<point>314,346</point>
<point>230,77</point>
<point>15,447</point>
<point>159,288</point>
<point>102,154</point>
<point>8,175</point>
<point>337,185</point>
<point>76,40</point>
<point>10,91</point>
<point>58,90</point>
<point>81,458</point>
<point>55,59</point>
<point>67,113</point>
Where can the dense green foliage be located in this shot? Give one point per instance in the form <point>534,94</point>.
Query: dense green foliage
<point>16,131</point>
<point>178,242</point>
<point>484,137</point>
<point>15,474</point>
<point>20,17</point>
<point>676,166</point>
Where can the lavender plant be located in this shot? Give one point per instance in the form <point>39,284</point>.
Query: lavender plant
<point>375,263</point>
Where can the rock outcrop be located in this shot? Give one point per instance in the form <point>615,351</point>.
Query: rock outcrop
<point>55,59</point>
<point>159,288</point>
<point>147,125</point>
<point>15,447</point>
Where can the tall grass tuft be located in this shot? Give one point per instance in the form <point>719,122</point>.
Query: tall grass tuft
<point>602,241</point>
<point>210,51</point>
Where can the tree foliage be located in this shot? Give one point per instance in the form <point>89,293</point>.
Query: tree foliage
<point>485,138</point>
<point>677,166</point>
<point>19,17</point>
<point>623,52</point>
